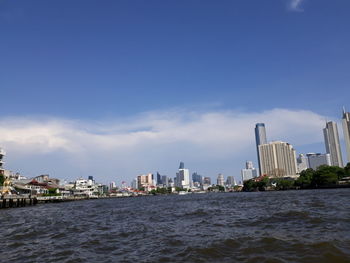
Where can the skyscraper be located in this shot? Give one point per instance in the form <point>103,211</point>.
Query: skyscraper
<point>197,178</point>
<point>2,154</point>
<point>165,180</point>
<point>331,139</point>
<point>230,181</point>
<point>260,138</point>
<point>159,179</point>
<point>220,180</point>
<point>346,129</point>
<point>183,177</point>
<point>278,159</point>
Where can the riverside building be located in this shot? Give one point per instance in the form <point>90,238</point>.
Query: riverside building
<point>278,159</point>
<point>317,159</point>
<point>346,129</point>
<point>331,139</point>
<point>260,138</point>
<point>302,163</point>
<point>145,180</point>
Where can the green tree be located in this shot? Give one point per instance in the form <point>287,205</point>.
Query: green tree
<point>220,188</point>
<point>347,170</point>
<point>249,185</point>
<point>52,191</point>
<point>2,179</point>
<point>305,178</point>
<point>262,184</point>
<point>284,184</point>
<point>178,189</point>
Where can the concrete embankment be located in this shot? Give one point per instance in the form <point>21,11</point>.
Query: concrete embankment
<point>11,202</point>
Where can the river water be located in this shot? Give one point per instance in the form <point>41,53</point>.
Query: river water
<point>290,226</point>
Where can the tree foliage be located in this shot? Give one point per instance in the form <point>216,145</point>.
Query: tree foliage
<point>2,179</point>
<point>324,176</point>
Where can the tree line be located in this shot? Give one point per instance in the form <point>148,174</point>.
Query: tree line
<point>323,176</point>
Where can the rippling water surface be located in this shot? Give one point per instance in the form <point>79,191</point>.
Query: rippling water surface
<point>291,226</point>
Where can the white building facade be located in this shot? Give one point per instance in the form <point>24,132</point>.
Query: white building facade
<point>278,159</point>
<point>346,130</point>
<point>317,159</point>
<point>331,139</point>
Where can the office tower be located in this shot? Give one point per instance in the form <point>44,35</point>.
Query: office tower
<point>2,154</point>
<point>278,159</point>
<point>317,159</point>
<point>260,138</point>
<point>302,163</point>
<point>249,172</point>
<point>182,165</point>
<point>230,181</point>
<point>331,139</point>
<point>346,130</point>
<point>197,178</point>
<point>159,179</point>
<point>183,177</point>
<point>165,180</point>
<point>220,180</point>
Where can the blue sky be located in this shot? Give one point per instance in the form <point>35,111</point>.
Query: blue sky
<point>100,64</point>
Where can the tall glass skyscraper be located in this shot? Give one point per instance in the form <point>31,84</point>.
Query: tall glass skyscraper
<point>260,138</point>
<point>331,139</point>
<point>346,128</point>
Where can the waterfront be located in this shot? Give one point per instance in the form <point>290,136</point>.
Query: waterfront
<point>284,226</point>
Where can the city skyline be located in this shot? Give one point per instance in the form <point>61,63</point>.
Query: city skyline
<point>127,88</point>
<point>216,169</point>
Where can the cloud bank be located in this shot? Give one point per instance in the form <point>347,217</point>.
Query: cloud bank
<point>295,5</point>
<point>210,142</point>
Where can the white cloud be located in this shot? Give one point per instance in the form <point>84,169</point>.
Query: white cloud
<point>295,5</point>
<point>152,140</point>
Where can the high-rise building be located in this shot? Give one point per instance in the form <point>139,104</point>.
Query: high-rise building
<point>346,130</point>
<point>331,139</point>
<point>197,178</point>
<point>230,181</point>
<point>278,159</point>
<point>159,179</point>
<point>206,181</point>
<point>302,163</point>
<point>260,138</point>
<point>249,172</point>
<point>145,180</point>
<point>165,180</point>
<point>317,159</point>
<point>183,177</point>
<point>134,184</point>
<point>182,165</point>
<point>2,154</point>
<point>220,180</point>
